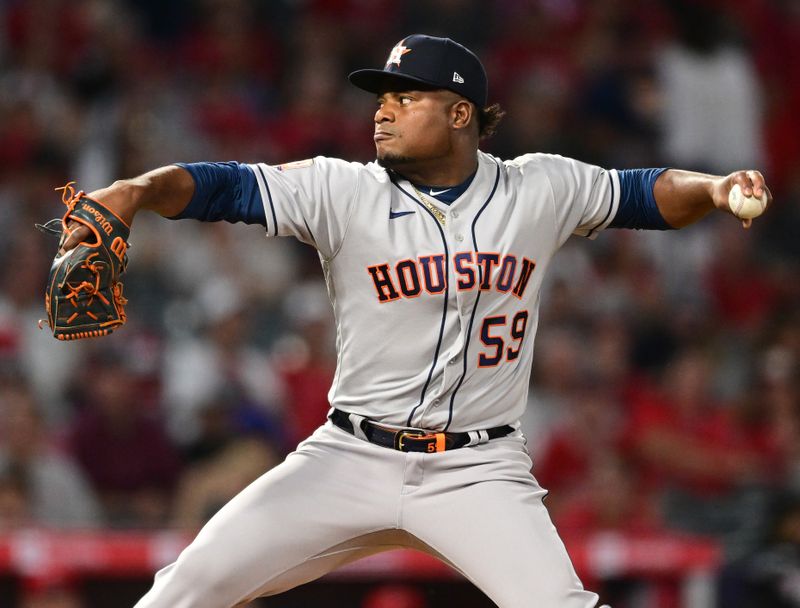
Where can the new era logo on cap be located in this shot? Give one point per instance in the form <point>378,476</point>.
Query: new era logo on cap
<point>440,63</point>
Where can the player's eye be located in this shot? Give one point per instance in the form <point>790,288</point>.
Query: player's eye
<point>405,100</point>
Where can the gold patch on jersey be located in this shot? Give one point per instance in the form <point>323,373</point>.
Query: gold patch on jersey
<point>298,164</point>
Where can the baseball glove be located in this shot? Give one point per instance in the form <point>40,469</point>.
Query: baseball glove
<point>84,298</point>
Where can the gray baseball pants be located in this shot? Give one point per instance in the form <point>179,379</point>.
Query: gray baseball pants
<point>338,498</point>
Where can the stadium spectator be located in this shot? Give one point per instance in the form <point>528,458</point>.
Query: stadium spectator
<point>229,452</point>
<point>123,448</point>
<point>15,498</point>
<point>588,435</point>
<point>769,575</point>
<point>30,352</point>
<point>305,359</point>
<point>693,454</point>
<point>59,493</point>
<point>210,483</point>
<point>221,359</point>
<point>713,105</point>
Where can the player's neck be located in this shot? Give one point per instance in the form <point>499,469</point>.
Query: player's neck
<point>440,173</point>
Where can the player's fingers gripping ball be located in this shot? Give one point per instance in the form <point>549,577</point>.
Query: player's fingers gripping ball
<point>83,298</point>
<point>746,207</point>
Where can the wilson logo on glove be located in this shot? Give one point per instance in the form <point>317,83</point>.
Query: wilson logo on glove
<point>84,297</point>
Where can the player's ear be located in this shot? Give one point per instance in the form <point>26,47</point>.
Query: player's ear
<point>461,114</point>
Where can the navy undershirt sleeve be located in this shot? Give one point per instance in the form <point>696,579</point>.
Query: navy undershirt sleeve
<point>223,191</point>
<point>637,203</point>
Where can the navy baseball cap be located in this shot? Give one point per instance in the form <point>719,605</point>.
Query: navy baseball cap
<point>437,62</point>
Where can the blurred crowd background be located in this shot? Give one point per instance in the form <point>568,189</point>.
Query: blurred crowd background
<point>664,393</point>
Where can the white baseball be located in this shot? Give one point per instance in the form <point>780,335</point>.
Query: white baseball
<point>746,207</point>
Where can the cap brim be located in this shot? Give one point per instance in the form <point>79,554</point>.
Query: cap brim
<point>376,81</point>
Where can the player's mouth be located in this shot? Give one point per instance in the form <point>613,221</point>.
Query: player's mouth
<point>382,135</point>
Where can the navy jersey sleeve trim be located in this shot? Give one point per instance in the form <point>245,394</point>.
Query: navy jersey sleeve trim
<point>223,192</point>
<point>637,202</point>
<point>594,230</point>
<point>264,183</point>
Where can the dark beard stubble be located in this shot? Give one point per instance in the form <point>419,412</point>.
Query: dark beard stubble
<point>393,161</point>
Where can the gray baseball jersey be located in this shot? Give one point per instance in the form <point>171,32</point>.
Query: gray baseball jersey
<point>436,311</point>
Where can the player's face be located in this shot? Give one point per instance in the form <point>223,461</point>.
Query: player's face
<point>413,127</point>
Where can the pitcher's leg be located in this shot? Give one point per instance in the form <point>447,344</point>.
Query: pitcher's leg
<point>277,533</point>
<point>488,520</point>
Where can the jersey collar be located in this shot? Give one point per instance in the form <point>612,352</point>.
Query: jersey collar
<point>446,194</point>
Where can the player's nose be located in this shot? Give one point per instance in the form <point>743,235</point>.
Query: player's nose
<point>383,114</point>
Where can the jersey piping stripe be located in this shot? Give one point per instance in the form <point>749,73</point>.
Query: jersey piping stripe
<point>444,306</point>
<point>311,234</point>
<point>269,196</point>
<point>477,299</point>
<point>610,206</point>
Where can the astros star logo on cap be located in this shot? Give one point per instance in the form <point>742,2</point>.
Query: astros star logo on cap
<point>397,53</point>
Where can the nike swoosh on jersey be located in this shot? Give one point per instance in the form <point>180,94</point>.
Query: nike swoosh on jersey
<point>396,214</point>
<point>435,193</point>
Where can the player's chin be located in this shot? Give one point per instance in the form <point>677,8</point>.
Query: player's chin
<point>392,161</point>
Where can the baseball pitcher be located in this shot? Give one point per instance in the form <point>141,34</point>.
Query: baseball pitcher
<point>434,257</point>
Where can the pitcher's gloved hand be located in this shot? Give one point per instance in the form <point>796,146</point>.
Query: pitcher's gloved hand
<point>84,298</point>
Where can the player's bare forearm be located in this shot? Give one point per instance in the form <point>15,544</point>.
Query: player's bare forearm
<point>683,197</point>
<point>166,191</point>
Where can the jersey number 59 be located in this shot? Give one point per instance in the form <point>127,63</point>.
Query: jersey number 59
<point>497,346</point>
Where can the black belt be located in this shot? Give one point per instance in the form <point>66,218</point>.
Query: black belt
<point>412,440</point>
